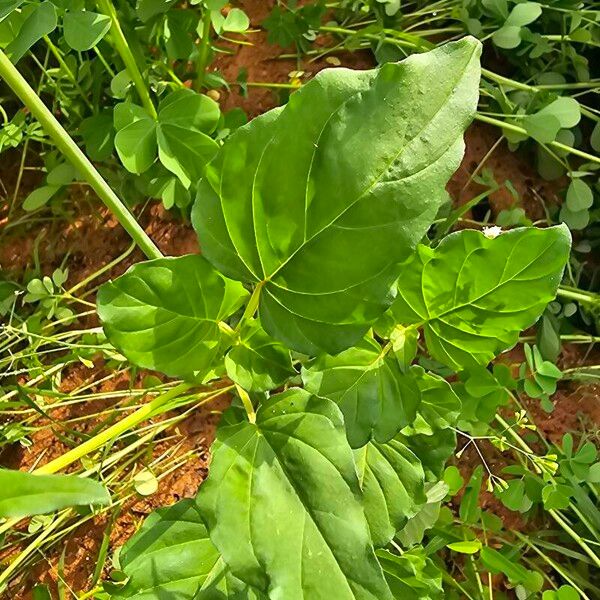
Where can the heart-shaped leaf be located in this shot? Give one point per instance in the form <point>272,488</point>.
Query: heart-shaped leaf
<point>319,202</point>
<point>474,294</point>
<point>309,514</point>
<point>377,399</point>
<point>164,314</point>
<point>393,485</point>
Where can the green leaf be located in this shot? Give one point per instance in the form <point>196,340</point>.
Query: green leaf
<point>257,362</point>
<point>163,314</point>
<point>556,497</point>
<point>146,9</point>
<point>425,519</point>
<point>83,29</point>
<point>466,547</point>
<point>469,510</point>
<point>39,23</point>
<point>575,221</point>
<point>433,450</point>
<point>171,556</point>
<point>39,197</point>
<point>439,407</point>
<point>185,119</point>
<point>412,575</point>
<point>25,494</point>
<point>8,6</point>
<point>514,497</point>
<point>473,295</point>
<point>376,398</point>
<point>579,196</point>
<point>136,143</point>
<point>393,485</point>
<point>283,207</point>
<point>98,135</point>
<point>180,135</point>
<point>595,137</point>
<point>507,37</point>
<point>524,14</point>
<point>542,128</point>
<point>516,573</point>
<point>237,20</point>
<point>565,109</point>
<point>310,513</point>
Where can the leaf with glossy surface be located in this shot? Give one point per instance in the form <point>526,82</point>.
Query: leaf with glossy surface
<point>258,363</point>
<point>25,494</point>
<point>393,485</point>
<point>83,29</point>
<point>473,295</point>
<point>171,556</point>
<point>368,385</point>
<point>320,201</point>
<point>163,314</point>
<point>284,491</point>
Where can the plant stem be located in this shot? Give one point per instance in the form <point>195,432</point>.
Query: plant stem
<point>521,131</point>
<point>579,295</point>
<point>63,65</point>
<point>73,153</point>
<point>247,402</point>
<point>143,413</point>
<point>122,47</point>
<point>203,50</point>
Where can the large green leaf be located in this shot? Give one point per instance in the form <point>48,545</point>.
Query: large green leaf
<point>393,485</point>
<point>474,294</point>
<point>7,6</point>
<point>377,399</point>
<point>164,314</point>
<point>40,22</point>
<point>282,503</point>
<point>319,202</point>
<point>25,494</point>
<point>171,556</point>
<point>257,362</point>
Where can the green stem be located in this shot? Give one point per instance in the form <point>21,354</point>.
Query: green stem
<point>143,413</point>
<point>73,153</point>
<point>63,65</point>
<point>579,295</point>
<point>251,306</point>
<point>521,131</point>
<point>203,51</point>
<point>122,47</point>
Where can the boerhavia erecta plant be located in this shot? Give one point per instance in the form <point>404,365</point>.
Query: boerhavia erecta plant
<point>314,282</point>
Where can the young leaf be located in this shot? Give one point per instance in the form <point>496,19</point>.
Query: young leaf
<point>25,494</point>
<point>377,399</point>
<point>297,450</point>
<point>393,485</point>
<point>39,197</point>
<point>257,362</point>
<point>473,295</point>
<point>319,202</point>
<point>83,29</point>
<point>171,556</point>
<point>163,314</point>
